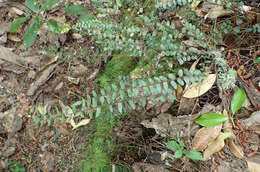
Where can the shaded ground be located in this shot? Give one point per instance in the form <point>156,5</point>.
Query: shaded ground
<point>67,77</point>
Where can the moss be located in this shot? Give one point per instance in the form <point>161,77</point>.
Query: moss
<point>98,151</point>
<point>120,64</point>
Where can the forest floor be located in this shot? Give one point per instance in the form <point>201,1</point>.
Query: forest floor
<point>39,77</point>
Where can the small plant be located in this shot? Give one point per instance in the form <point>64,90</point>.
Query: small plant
<point>16,166</point>
<point>179,150</point>
<point>37,15</point>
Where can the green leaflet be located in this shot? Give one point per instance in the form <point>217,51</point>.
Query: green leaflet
<point>32,5</point>
<point>257,60</point>
<point>211,119</point>
<point>30,34</point>
<point>172,145</point>
<point>18,22</point>
<point>120,107</point>
<point>75,10</point>
<point>48,4</point>
<point>194,155</point>
<point>53,26</point>
<point>238,100</point>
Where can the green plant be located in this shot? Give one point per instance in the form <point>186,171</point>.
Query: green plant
<point>179,150</point>
<point>238,100</point>
<point>15,166</point>
<point>37,14</point>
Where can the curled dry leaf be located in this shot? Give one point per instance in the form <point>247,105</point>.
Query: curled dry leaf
<point>198,89</point>
<point>216,145</point>
<point>81,123</point>
<point>235,149</point>
<point>216,12</point>
<point>205,136</point>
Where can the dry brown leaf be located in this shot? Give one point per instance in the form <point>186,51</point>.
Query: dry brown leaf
<point>205,136</point>
<point>254,164</point>
<point>198,89</point>
<point>235,149</point>
<point>216,12</point>
<point>13,37</point>
<point>216,145</point>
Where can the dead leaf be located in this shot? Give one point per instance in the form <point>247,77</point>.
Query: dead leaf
<point>216,145</point>
<point>81,123</point>
<point>68,112</point>
<point>172,126</point>
<point>235,149</point>
<point>253,122</point>
<point>205,136</point>
<point>216,12</point>
<point>13,37</point>
<point>45,76</point>
<point>254,164</point>
<point>198,89</point>
<point>17,11</point>
<point>10,122</point>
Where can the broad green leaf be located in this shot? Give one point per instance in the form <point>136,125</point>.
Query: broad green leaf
<point>178,154</point>
<point>120,107</point>
<point>36,119</point>
<point>30,34</point>
<point>211,119</point>
<point>16,23</point>
<point>238,100</point>
<point>75,10</point>
<point>172,145</point>
<point>257,60</point>
<point>53,26</point>
<point>194,155</point>
<point>48,4</point>
<point>180,73</point>
<point>32,5</point>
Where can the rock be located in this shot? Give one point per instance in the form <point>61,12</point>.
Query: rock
<point>10,122</point>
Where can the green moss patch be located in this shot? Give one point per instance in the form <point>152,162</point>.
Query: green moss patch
<point>120,64</point>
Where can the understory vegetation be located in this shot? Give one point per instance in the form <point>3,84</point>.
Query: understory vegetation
<point>147,55</point>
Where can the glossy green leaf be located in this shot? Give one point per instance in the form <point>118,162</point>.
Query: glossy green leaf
<point>257,60</point>
<point>32,5</point>
<point>53,26</point>
<point>211,119</point>
<point>16,23</point>
<point>194,155</point>
<point>48,4</point>
<point>30,34</point>
<point>75,10</point>
<point>238,100</point>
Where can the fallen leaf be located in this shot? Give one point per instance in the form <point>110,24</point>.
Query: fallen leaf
<point>171,126</point>
<point>205,136</point>
<point>45,76</point>
<point>254,164</point>
<point>198,89</point>
<point>13,37</point>
<point>81,123</point>
<point>216,12</point>
<point>235,149</point>
<point>216,145</point>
